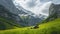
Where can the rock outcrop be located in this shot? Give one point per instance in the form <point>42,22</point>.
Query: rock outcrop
<point>54,12</point>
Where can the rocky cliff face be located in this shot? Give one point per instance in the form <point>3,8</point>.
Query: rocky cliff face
<point>8,15</point>
<point>55,9</point>
<point>54,12</point>
<point>11,7</point>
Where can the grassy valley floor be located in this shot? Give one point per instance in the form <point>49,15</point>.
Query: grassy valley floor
<point>52,27</point>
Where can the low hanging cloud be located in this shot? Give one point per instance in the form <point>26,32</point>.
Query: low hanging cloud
<point>36,6</point>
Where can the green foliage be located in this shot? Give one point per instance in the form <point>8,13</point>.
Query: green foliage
<point>52,27</point>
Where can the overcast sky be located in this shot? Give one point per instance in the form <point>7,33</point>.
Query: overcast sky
<point>54,1</point>
<point>36,6</point>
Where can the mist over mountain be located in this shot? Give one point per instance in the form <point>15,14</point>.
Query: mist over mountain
<point>25,16</point>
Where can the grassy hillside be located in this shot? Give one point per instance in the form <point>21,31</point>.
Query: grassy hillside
<point>52,27</point>
<point>7,24</point>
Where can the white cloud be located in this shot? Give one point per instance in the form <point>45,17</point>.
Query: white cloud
<point>56,1</point>
<point>37,8</point>
<point>53,1</point>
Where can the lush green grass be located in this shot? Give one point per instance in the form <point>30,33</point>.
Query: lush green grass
<point>7,24</point>
<point>52,27</point>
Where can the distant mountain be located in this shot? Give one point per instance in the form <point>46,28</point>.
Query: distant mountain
<point>14,14</point>
<point>11,7</point>
<point>54,12</point>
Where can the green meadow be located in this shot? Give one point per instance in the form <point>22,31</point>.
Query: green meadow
<point>52,27</point>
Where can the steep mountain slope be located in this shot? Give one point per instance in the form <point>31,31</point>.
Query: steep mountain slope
<point>7,19</point>
<point>54,12</point>
<point>52,27</point>
<point>16,14</point>
<point>55,9</point>
<point>10,6</point>
<point>30,19</point>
